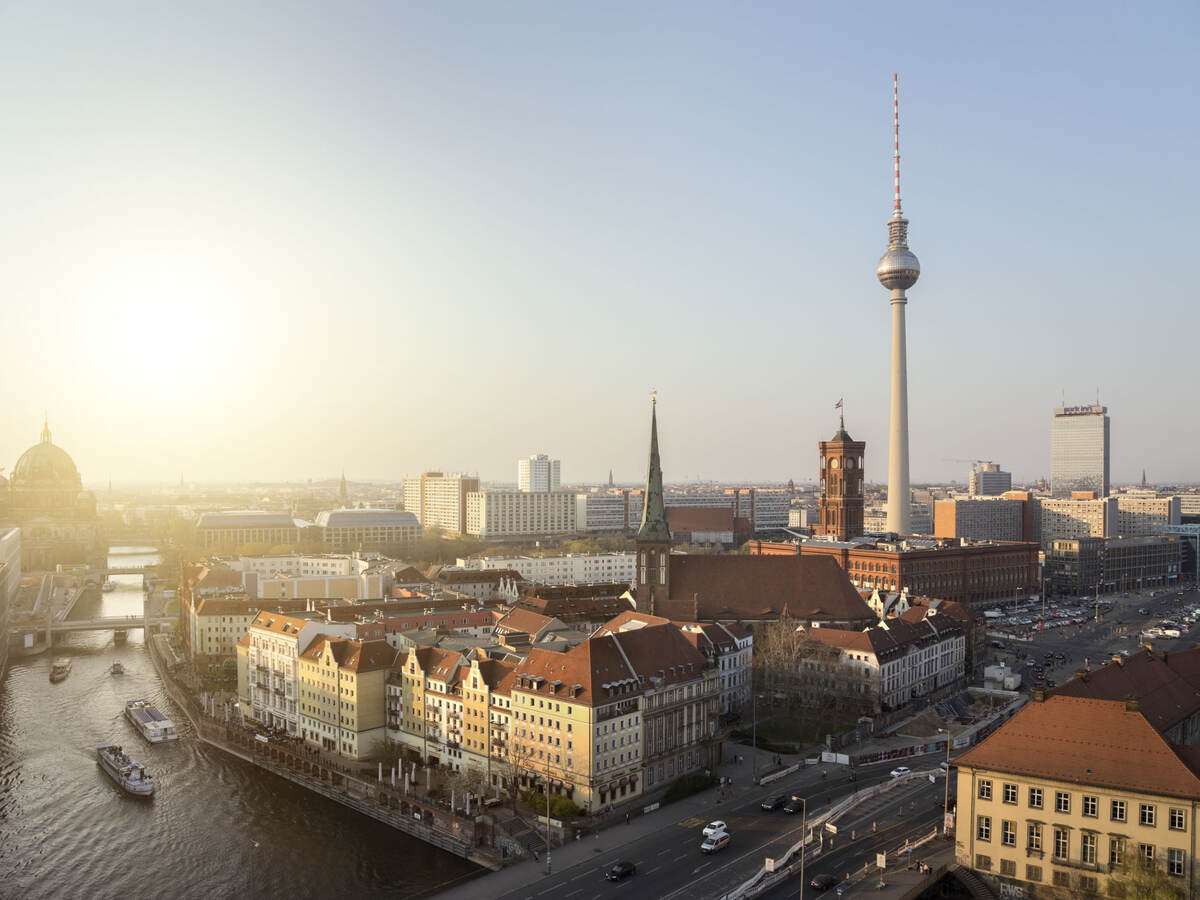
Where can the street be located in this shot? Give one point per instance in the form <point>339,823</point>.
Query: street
<point>669,861</point>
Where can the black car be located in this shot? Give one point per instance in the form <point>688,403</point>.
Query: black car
<point>823,882</point>
<point>793,806</point>
<point>620,870</point>
<point>773,803</point>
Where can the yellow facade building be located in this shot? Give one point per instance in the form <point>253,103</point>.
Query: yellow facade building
<point>342,687</point>
<point>1072,791</point>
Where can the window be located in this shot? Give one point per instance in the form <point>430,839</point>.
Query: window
<point>1146,852</point>
<point>985,789</point>
<point>983,829</point>
<point>1008,867</point>
<point>1090,806</point>
<point>1087,848</point>
<point>1035,798</point>
<point>1116,852</point>
<point>1174,862</point>
<point>1176,820</point>
<point>1062,802</point>
<point>1088,884</point>
<point>1035,838</point>
<point>1118,811</point>
<point>1062,843</point>
<point>1146,814</point>
<point>1033,873</point>
<point>982,862</point>
<point>1008,833</point>
<point>1010,793</point>
<point>1062,879</point>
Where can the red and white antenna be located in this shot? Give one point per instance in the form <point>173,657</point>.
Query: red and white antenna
<point>896,125</point>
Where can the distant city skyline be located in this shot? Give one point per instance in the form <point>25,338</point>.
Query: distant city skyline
<point>272,242</point>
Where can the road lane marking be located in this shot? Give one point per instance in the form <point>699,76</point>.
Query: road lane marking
<point>664,852</point>
<point>701,866</point>
<point>679,857</point>
<point>576,891</point>
<point>652,871</point>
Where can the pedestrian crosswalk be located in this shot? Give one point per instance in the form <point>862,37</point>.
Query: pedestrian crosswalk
<point>693,822</point>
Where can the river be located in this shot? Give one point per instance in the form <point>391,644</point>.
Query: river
<point>217,827</point>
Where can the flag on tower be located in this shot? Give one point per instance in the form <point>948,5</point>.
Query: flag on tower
<point>838,405</point>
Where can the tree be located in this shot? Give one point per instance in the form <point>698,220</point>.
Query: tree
<point>1145,881</point>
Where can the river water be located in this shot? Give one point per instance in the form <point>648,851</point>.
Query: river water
<point>217,827</point>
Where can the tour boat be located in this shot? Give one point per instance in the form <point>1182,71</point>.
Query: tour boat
<point>126,772</point>
<point>60,669</point>
<point>154,726</point>
<point>116,668</point>
<point>109,585</point>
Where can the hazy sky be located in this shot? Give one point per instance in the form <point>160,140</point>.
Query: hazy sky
<point>269,240</point>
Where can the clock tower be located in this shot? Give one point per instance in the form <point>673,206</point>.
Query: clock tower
<point>841,486</point>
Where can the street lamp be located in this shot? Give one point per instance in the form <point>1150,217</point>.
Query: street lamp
<point>946,802</point>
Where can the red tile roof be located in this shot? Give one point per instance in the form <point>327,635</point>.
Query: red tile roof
<point>1088,742</point>
<point>699,518</point>
<point>1167,686</point>
<point>736,586</point>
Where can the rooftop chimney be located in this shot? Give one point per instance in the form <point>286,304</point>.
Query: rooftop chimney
<point>1039,695</point>
<point>1131,704</point>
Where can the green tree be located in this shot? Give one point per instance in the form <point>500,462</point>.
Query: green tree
<point>1145,881</point>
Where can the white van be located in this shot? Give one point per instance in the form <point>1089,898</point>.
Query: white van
<point>717,842</point>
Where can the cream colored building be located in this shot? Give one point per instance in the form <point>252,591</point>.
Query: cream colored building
<point>1142,514</point>
<point>505,514</point>
<point>342,687</point>
<point>267,679</point>
<point>1069,519</point>
<point>254,526</point>
<point>439,500</point>
<point>368,529</point>
<point>1071,790</point>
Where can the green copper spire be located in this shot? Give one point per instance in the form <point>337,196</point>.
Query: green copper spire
<point>654,511</point>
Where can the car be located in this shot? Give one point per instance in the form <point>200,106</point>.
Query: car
<point>716,842</point>
<point>773,803</point>
<point>620,870</point>
<point>1050,682</point>
<point>713,828</point>
<point>1061,657</point>
<point>823,882</point>
<point>900,770</point>
<point>793,806</point>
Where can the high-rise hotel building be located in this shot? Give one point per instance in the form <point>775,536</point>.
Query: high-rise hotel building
<point>1079,450</point>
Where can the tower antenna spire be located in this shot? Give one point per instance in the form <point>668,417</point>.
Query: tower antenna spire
<point>896,129</point>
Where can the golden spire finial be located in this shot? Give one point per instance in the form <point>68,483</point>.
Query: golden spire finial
<point>654,398</point>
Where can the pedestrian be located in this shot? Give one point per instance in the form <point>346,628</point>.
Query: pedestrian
<point>596,832</point>
<point>626,818</point>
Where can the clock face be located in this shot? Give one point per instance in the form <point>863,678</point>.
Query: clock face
<point>833,463</point>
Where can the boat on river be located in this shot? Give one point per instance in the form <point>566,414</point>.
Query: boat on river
<point>60,669</point>
<point>108,586</point>
<point>154,726</point>
<point>125,771</point>
<point>116,668</point>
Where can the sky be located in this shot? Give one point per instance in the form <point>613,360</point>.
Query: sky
<point>279,240</point>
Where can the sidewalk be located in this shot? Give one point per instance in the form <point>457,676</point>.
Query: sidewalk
<point>903,883</point>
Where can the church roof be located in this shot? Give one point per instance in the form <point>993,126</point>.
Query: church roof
<point>709,587</point>
<point>654,509</point>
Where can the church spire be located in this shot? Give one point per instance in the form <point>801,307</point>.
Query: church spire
<point>654,511</point>
<point>46,429</point>
<point>342,489</point>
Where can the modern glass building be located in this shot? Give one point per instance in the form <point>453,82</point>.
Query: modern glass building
<point>1079,450</point>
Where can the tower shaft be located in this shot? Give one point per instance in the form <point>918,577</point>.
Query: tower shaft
<point>899,507</point>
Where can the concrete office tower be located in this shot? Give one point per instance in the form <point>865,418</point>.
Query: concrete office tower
<point>539,474</point>
<point>898,271</point>
<point>1079,450</point>
<point>987,480</point>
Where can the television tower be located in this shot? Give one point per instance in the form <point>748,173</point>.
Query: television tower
<point>898,270</point>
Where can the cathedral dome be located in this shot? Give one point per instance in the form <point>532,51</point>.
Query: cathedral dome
<point>46,465</point>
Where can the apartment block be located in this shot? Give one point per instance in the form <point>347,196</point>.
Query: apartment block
<point>341,693</point>
<point>570,568</point>
<point>985,518</point>
<point>499,515</point>
<point>439,500</point>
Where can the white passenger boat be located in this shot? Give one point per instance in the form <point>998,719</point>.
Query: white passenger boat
<point>126,772</point>
<point>60,668</point>
<point>108,586</point>
<point>154,726</point>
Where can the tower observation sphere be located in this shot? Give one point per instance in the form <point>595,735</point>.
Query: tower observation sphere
<point>898,269</point>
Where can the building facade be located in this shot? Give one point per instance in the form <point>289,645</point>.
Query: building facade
<point>539,473</point>
<point>439,500</point>
<point>988,480</point>
<point>501,515</point>
<point>1086,565</point>
<point>569,568</point>
<point>1081,516</point>
<point>1070,794</point>
<point>1079,450</point>
<point>342,695</point>
<point>369,529</point>
<point>1140,514</point>
<point>237,528</point>
<point>983,518</point>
